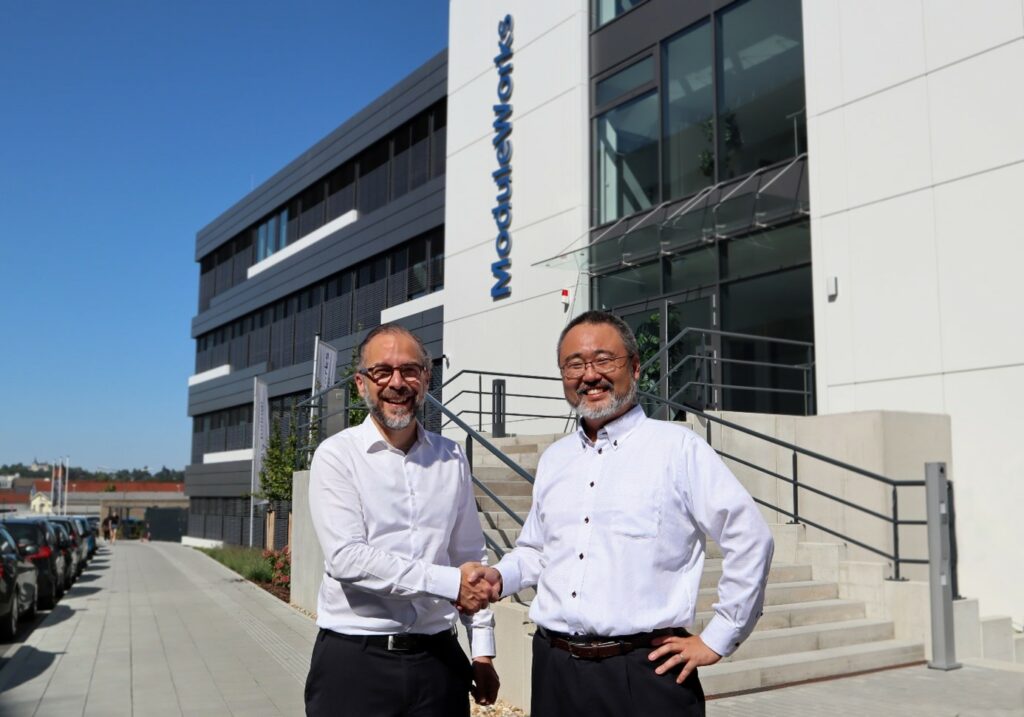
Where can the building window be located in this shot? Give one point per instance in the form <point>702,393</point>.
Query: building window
<point>373,178</point>
<point>627,158</point>
<point>604,11</point>
<point>689,108</point>
<point>761,85</point>
<point>624,81</point>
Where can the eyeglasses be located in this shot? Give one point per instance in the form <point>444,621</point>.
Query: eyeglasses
<point>575,368</point>
<point>382,373</point>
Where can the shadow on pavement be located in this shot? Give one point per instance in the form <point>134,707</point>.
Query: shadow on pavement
<point>58,615</point>
<point>33,663</point>
<point>87,578</point>
<point>78,590</point>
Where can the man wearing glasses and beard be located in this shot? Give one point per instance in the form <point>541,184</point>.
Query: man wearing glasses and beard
<point>393,509</point>
<point>615,544</point>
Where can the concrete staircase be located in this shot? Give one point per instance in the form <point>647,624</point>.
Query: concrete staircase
<point>806,632</point>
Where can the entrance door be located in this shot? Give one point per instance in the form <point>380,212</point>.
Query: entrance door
<point>684,371</point>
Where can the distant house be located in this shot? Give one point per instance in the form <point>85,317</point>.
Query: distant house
<point>41,503</point>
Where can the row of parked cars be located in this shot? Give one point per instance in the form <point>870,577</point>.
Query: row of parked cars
<point>41,556</point>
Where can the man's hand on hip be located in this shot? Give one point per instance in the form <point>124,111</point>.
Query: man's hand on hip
<point>485,681</point>
<point>689,651</point>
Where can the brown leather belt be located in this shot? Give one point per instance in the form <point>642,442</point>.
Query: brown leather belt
<point>591,647</point>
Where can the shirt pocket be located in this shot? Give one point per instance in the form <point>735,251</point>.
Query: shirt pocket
<point>634,507</point>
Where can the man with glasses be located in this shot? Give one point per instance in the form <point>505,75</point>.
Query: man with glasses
<point>615,544</point>
<point>393,508</point>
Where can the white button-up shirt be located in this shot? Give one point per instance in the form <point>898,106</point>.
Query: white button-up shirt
<point>394,527</point>
<point>615,540</point>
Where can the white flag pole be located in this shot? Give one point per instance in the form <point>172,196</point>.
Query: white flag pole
<point>67,481</point>
<point>255,447</point>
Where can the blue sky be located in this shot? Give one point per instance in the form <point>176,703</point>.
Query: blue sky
<point>125,127</point>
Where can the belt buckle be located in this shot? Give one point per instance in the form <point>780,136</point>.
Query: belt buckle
<point>574,646</point>
<point>397,643</point>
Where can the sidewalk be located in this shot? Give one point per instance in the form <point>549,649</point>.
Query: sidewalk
<point>160,629</point>
<point>978,689</point>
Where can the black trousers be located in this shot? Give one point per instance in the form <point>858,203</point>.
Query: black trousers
<point>623,686</point>
<point>348,678</point>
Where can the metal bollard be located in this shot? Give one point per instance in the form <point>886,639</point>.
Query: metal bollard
<point>940,583</point>
<point>498,408</point>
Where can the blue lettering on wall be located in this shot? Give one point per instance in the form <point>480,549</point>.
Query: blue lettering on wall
<point>502,176</point>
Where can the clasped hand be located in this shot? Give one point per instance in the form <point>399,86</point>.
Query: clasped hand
<point>480,586</point>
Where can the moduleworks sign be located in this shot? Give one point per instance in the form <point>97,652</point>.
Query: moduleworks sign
<point>502,176</point>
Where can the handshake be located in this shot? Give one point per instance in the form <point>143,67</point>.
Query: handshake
<point>480,586</point>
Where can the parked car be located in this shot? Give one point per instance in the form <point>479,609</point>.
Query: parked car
<point>18,591</point>
<point>70,553</point>
<point>38,534</point>
<point>86,531</point>
<point>77,540</point>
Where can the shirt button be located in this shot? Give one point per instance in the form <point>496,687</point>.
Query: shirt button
<point>615,443</point>
<point>581,556</point>
<point>574,593</point>
<point>591,484</point>
<point>586,520</point>
<point>599,450</point>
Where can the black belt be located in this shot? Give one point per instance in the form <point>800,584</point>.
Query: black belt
<point>402,642</point>
<point>593,647</point>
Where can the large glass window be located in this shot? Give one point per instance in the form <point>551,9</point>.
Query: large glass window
<point>373,178</point>
<point>761,85</point>
<point>623,81</point>
<point>607,10</point>
<point>627,158</point>
<point>689,105</point>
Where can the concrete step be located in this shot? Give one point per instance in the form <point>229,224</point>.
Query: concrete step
<point>779,573</point>
<point>505,487</point>
<point>518,503</point>
<point>759,673</point>
<point>497,519</point>
<point>503,536</point>
<point>815,612</point>
<point>488,474</point>
<point>779,593</point>
<point>766,643</point>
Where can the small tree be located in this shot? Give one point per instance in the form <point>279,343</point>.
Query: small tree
<point>355,415</point>
<point>280,460</point>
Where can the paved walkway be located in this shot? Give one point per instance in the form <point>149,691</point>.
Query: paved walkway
<point>976,690</point>
<point>160,629</point>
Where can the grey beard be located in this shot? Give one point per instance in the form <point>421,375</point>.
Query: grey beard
<point>395,423</point>
<point>617,403</point>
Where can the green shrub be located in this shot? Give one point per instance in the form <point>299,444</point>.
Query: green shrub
<point>247,562</point>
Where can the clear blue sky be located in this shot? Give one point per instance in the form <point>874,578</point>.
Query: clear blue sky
<point>125,127</point>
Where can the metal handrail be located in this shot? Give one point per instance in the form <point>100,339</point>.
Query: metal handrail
<point>894,520</point>
<point>477,372</point>
<point>727,334</point>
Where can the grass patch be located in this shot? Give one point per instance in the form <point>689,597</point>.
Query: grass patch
<point>247,562</point>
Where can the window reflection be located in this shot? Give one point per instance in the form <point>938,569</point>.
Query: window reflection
<point>608,10</point>
<point>761,85</point>
<point>627,158</point>
<point>688,89</point>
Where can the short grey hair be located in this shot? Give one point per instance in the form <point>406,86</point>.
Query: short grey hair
<point>392,329</point>
<point>602,317</point>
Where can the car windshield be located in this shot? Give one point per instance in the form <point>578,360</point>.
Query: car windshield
<point>23,532</point>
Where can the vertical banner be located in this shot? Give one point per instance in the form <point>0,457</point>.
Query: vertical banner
<point>260,438</point>
<point>326,367</point>
<point>58,487</point>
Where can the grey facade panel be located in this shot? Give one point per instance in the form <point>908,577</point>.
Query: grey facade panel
<point>422,88</point>
<point>226,480</point>
<point>236,389</point>
<point>413,214</point>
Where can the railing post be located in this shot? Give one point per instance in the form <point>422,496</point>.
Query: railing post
<point>896,534</point>
<point>498,407</point>
<point>954,556</point>
<point>344,408</point>
<point>469,451</point>
<point>479,403</point>
<point>940,585</point>
<point>796,493</point>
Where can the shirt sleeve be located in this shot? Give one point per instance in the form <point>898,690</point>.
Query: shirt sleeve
<point>724,510</point>
<point>337,512</point>
<point>467,545</point>
<point>521,567</point>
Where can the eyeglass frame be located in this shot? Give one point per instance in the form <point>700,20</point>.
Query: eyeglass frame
<point>593,363</point>
<point>420,371</point>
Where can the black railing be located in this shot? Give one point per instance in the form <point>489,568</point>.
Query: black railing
<point>894,520</point>
<point>498,403</point>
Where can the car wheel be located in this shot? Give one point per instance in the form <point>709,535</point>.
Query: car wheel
<point>9,626</point>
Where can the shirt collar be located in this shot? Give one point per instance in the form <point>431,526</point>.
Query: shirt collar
<point>618,430</point>
<point>374,441</point>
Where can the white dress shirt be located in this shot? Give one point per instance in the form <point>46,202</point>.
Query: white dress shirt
<point>615,540</point>
<point>394,527</point>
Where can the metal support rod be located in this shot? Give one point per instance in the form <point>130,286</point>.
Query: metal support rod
<point>896,534</point>
<point>796,492</point>
<point>954,556</point>
<point>940,587</point>
<point>479,403</point>
<point>469,451</point>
